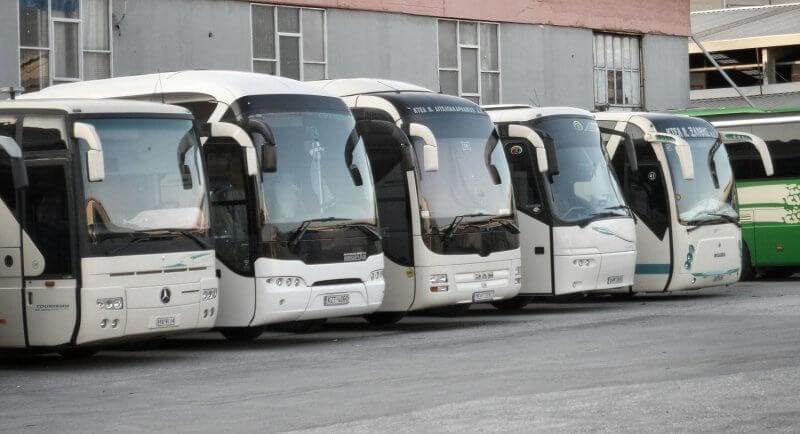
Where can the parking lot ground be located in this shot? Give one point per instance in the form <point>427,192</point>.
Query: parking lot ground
<point>719,359</point>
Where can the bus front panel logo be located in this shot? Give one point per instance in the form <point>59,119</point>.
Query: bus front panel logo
<point>166,295</point>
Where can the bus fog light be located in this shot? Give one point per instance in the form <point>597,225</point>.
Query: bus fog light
<point>211,312</point>
<point>114,323</point>
<point>114,303</point>
<point>438,278</point>
<point>103,323</point>
<point>439,288</point>
<point>694,279</point>
<point>517,280</point>
<point>205,313</point>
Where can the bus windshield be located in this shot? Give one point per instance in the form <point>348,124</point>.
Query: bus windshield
<point>154,179</point>
<point>317,145</point>
<point>463,185</point>
<point>585,188</point>
<point>699,200</point>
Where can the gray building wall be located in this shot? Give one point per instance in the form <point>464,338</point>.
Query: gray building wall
<point>666,72</point>
<point>9,45</point>
<point>158,35</point>
<point>392,46</point>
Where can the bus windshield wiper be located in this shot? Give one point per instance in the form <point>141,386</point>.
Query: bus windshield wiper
<point>158,234</point>
<point>456,223</point>
<point>698,223</point>
<point>298,234</point>
<point>187,234</point>
<point>507,222</point>
<point>367,229</point>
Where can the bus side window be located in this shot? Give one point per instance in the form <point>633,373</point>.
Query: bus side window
<point>524,178</point>
<point>645,190</point>
<point>391,189</point>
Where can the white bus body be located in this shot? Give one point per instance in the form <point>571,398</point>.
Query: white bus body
<point>684,198</point>
<point>114,226</point>
<point>577,233</point>
<point>279,256</point>
<point>449,230</point>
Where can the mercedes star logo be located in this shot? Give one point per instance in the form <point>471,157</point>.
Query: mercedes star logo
<point>166,295</point>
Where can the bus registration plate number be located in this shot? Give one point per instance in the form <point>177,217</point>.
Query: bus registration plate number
<point>482,296</point>
<point>160,322</point>
<point>615,279</point>
<point>337,299</point>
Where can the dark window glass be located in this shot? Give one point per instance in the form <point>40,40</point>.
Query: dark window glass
<point>524,174</point>
<point>47,217</point>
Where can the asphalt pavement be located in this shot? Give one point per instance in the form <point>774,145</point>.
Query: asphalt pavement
<point>719,359</point>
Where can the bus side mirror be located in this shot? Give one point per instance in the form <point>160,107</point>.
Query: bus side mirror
<point>269,150</point>
<point>630,150</point>
<point>95,166</point>
<point>229,130</point>
<point>757,142</point>
<point>18,172</point>
<point>430,152</point>
<point>543,158</point>
<point>682,149</point>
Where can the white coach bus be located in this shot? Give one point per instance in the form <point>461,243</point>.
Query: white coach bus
<point>109,240</point>
<point>684,198</point>
<point>295,234</point>
<point>576,232</point>
<point>444,197</point>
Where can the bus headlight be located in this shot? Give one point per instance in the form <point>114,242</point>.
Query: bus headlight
<point>209,294</point>
<point>113,303</point>
<point>439,283</point>
<point>376,275</point>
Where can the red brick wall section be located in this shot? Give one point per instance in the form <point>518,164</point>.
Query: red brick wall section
<point>666,17</point>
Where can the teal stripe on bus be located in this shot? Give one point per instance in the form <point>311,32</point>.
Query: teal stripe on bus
<point>652,268</point>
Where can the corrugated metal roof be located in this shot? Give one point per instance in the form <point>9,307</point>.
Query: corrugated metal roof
<point>766,102</point>
<point>739,23</point>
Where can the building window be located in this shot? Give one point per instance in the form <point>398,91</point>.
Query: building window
<point>469,60</point>
<point>289,41</point>
<point>62,41</point>
<point>617,71</point>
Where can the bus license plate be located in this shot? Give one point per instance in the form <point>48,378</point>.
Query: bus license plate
<point>482,296</point>
<point>160,322</point>
<point>615,279</point>
<point>337,300</point>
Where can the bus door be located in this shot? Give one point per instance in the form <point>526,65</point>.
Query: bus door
<point>646,193</point>
<point>234,210</point>
<point>532,216</point>
<point>50,296</point>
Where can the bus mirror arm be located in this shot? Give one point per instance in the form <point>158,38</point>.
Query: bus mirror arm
<point>370,128</point>
<point>431,148</point>
<point>95,166</point>
<point>232,131</point>
<point>18,172</point>
<point>630,150</point>
<point>757,142</point>
<point>487,156</point>
<point>349,148</point>
<point>269,150</point>
<point>682,149</point>
<point>543,158</point>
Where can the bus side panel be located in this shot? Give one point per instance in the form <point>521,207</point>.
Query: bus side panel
<point>774,235</point>
<point>652,260</point>
<point>399,293</point>
<point>51,311</point>
<point>534,241</point>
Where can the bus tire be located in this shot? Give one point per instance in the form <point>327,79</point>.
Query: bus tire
<point>384,318</point>
<point>304,326</point>
<point>748,272</point>
<point>241,334</point>
<point>515,303</point>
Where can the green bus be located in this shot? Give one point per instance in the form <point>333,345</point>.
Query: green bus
<point>769,207</point>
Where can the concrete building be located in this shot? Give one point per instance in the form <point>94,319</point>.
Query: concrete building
<point>758,48</point>
<point>585,53</point>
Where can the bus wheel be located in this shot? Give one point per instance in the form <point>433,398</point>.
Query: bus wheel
<point>515,303</point>
<point>241,334</point>
<point>748,272</point>
<point>78,353</point>
<point>305,326</point>
<point>384,318</point>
